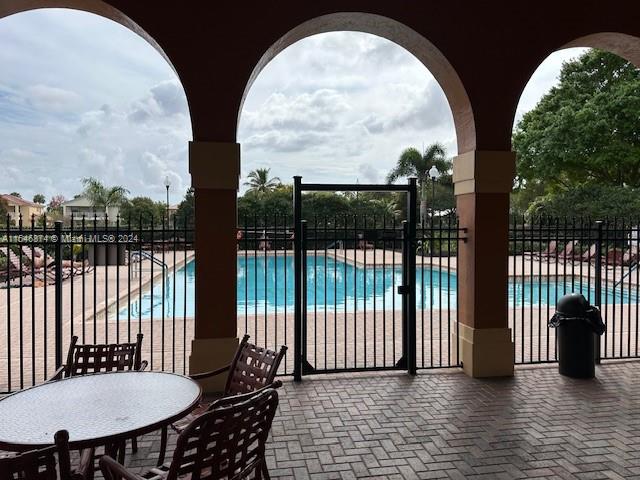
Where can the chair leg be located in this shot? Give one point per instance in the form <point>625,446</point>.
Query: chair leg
<point>134,445</point>
<point>265,470</point>
<point>163,445</point>
<point>122,450</point>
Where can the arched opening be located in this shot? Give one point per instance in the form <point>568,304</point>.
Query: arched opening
<point>352,114</point>
<point>387,28</point>
<point>94,143</point>
<point>576,137</point>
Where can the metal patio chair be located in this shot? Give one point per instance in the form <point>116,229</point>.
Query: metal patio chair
<point>88,358</point>
<point>42,464</point>
<point>226,442</point>
<point>110,357</point>
<point>251,369</point>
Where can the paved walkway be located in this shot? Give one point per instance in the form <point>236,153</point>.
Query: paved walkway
<point>447,425</point>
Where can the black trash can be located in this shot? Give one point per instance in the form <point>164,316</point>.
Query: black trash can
<point>579,326</point>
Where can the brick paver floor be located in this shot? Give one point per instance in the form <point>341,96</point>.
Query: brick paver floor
<point>444,424</point>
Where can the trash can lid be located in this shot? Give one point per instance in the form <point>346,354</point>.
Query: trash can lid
<point>573,305</point>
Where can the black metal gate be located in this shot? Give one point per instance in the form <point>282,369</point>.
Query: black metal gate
<point>344,330</point>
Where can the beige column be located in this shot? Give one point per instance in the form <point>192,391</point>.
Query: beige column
<point>483,181</point>
<point>215,170</point>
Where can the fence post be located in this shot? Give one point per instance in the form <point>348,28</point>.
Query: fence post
<point>297,261</point>
<point>58,292</point>
<point>598,280</point>
<point>412,198</point>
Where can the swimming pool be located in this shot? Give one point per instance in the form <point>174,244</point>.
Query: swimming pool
<point>265,285</point>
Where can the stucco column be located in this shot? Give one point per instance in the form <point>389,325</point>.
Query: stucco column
<point>483,181</point>
<point>215,169</point>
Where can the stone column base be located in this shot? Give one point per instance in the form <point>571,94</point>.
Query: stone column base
<point>484,352</point>
<point>208,354</point>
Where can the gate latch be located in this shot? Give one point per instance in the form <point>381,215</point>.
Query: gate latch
<point>403,290</point>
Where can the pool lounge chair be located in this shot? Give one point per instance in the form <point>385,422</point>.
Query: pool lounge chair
<point>25,271</point>
<point>569,253</point>
<point>40,258</point>
<point>550,251</point>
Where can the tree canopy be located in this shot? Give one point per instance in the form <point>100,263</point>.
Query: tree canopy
<point>142,210</point>
<point>594,201</point>
<point>102,196</point>
<point>39,198</point>
<point>260,182</point>
<point>583,131</point>
<point>185,213</point>
<point>4,211</point>
<point>414,163</point>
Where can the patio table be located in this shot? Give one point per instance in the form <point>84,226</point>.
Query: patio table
<point>99,409</point>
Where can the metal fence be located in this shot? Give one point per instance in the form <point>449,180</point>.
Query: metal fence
<point>552,257</point>
<point>351,271</point>
<point>104,281</point>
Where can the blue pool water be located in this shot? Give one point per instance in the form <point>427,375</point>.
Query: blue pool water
<point>266,285</point>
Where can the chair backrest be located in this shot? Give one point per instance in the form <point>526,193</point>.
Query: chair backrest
<point>83,359</point>
<point>40,464</point>
<point>252,368</point>
<point>228,441</point>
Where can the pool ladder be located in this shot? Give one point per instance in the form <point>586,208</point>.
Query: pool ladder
<point>146,255</point>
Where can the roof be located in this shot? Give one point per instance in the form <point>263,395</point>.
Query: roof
<point>20,201</point>
<point>79,201</point>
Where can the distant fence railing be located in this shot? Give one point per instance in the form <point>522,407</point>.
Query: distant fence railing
<point>552,257</point>
<point>104,281</point>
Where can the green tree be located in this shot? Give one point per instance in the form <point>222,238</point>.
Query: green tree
<point>584,130</point>
<point>259,181</point>
<point>594,201</point>
<point>143,211</point>
<point>102,196</point>
<point>15,194</point>
<point>412,163</point>
<point>39,198</point>
<point>185,214</point>
<point>4,211</point>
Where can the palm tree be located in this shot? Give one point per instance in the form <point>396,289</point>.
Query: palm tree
<point>258,181</point>
<point>412,163</point>
<point>101,196</point>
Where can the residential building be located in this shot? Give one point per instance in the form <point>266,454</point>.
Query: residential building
<point>21,208</point>
<point>80,207</point>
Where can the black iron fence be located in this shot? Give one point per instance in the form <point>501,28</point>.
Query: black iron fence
<point>104,281</point>
<point>552,257</point>
<point>352,269</point>
<point>107,281</point>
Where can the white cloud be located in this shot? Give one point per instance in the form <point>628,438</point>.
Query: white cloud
<point>52,98</point>
<point>368,173</point>
<point>332,107</point>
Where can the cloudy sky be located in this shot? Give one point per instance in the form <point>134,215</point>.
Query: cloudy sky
<point>333,107</point>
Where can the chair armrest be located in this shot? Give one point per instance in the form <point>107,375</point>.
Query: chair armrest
<point>212,373</point>
<point>57,375</point>
<point>274,384</point>
<point>112,470</point>
<point>84,470</point>
<point>143,365</point>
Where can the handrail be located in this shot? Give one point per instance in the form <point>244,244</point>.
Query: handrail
<point>143,254</point>
<point>632,267</point>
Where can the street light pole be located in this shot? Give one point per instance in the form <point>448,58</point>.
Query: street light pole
<point>167,184</point>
